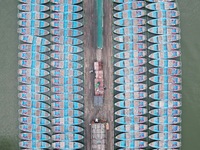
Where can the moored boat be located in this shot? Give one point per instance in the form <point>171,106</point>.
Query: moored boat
<point>33,80</point>
<point>66,8</point>
<point>33,56</point>
<point>66,89</point>
<point>67,145</point>
<point>32,15</point>
<point>65,49</point>
<point>165,79</point>
<point>165,128</point>
<point>66,113</point>
<point>34,128</point>
<point>66,24</point>
<point>131,144</point>
<point>130,14</point>
<point>67,137</point>
<point>130,22</point>
<point>130,5</point>
<point>66,120</point>
<point>131,71</point>
<point>34,145</point>
<point>165,71</point>
<point>164,30</point>
<point>130,30</point>
<point>33,23</point>
<point>130,46</point>
<point>33,64</point>
<point>64,105</point>
<point>66,129</point>
<point>165,104</point>
<point>165,95</point>
<point>66,16</point>
<point>164,14</point>
<point>166,87</point>
<point>164,22</point>
<point>164,47</point>
<point>65,64</point>
<point>165,144</point>
<point>161,6</point>
<point>165,63</point>
<point>165,112</point>
<point>66,32</point>
<point>33,39</point>
<point>131,79</point>
<point>66,80</point>
<point>131,112</point>
<point>131,104</point>
<point>131,136</point>
<point>63,97</point>
<point>34,1</point>
<point>131,95</point>
<point>34,136</point>
<point>165,120</point>
<point>32,72</point>
<point>132,127</point>
<point>130,54</point>
<point>130,38</point>
<point>165,55</point>
<point>32,104</point>
<point>131,120</point>
<point>155,1</point>
<point>33,96</point>
<point>66,56</point>
<point>32,7</point>
<point>165,136</point>
<point>66,1</point>
<point>130,62</point>
<point>131,87</point>
<point>34,120</point>
<point>165,38</point>
<point>33,48</point>
<point>66,40</point>
<point>32,31</point>
<point>33,88</point>
<point>33,112</point>
<point>66,72</point>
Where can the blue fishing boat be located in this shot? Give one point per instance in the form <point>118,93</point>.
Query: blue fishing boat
<point>66,64</point>
<point>164,128</point>
<point>131,103</point>
<point>34,104</point>
<point>32,31</point>
<point>33,56</point>
<point>67,145</point>
<point>165,38</point>
<point>164,30</point>
<point>33,23</point>
<point>164,47</point>
<point>130,30</point>
<point>66,72</point>
<point>34,1</point>
<point>33,39</point>
<point>165,95</point>
<point>33,96</point>
<point>66,32</point>
<point>131,144</point>
<point>73,2</point>
<point>122,1</point>
<point>65,49</point>
<point>66,105</point>
<point>130,38</point>
<point>127,14</point>
<point>131,71</point>
<point>67,137</point>
<point>34,112</point>
<point>66,24</point>
<point>165,71</point>
<point>70,97</point>
<point>33,48</point>
<point>66,16</point>
<point>132,127</point>
<point>165,63</point>
<point>32,7</point>
<point>132,136</point>
<point>165,112</point>
<point>66,80</point>
<point>165,87</point>
<point>131,87</point>
<point>165,144</point>
<point>130,46</point>
<point>130,22</point>
<point>165,120</point>
<point>165,54</point>
<point>34,128</point>
<point>66,121</point>
<point>131,112</point>
<point>165,79</point>
<point>66,113</point>
<point>32,72</point>
<point>34,120</point>
<point>33,64</point>
<point>130,5</point>
<point>165,136</point>
<point>164,22</point>
<point>66,89</point>
<point>164,14</point>
<point>155,1</point>
<point>131,79</point>
<point>130,62</point>
<point>165,104</point>
<point>131,95</point>
<point>67,56</point>
<point>34,136</point>
<point>161,6</point>
<point>130,54</point>
<point>33,15</point>
<point>66,40</point>
<point>66,8</point>
<point>33,80</point>
<point>33,88</point>
<point>66,129</point>
<point>131,120</point>
<point>34,145</point>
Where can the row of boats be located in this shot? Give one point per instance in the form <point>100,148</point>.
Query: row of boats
<point>66,106</point>
<point>130,75</point>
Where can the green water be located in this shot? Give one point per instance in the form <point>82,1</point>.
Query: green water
<point>190,26</point>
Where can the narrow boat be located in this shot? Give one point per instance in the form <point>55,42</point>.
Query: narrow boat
<point>66,113</point>
<point>165,144</point>
<point>33,23</point>
<point>165,71</point>
<point>32,72</point>
<point>65,49</point>
<point>66,40</point>
<point>33,39</point>
<point>32,7</point>
<point>33,48</point>
<point>131,79</point>
<point>34,1</point>
<point>165,112</point>
<point>165,120</point>
<point>66,129</point>
<point>131,120</point>
<point>165,47</point>
<point>66,72</point>
<point>131,71</point>
<point>66,32</point>
<point>130,22</point>
<point>130,38</point>
<point>165,104</point>
<point>161,6</point>
<point>165,79</point>
<point>66,120</point>
<point>33,15</point>
<point>131,136</point>
<point>66,89</point>
<point>131,103</point>
<point>66,8</point>
<point>66,80</point>
<point>63,97</point>
<point>34,120</point>
<point>66,16</point>
<point>165,38</point>
<point>131,95</point>
<point>164,14</point>
<point>33,80</point>
<point>130,62</point>
<point>132,127</point>
<point>130,46</point>
<point>72,2</point>
<point>165,136</point>
<point>34,128</point>
<point>34,104</point>
<point>34,145</point>
<point>33,112</point>
<point>131,144</point>
<point>122,1</point>
<point>33,64</point>
<point>67,145</point>
<point>165,128</point>
<point>130,30</point>
<point>130,5</point>
<point>66,105</point>
<point>165,95</point>
<point>166,87</point>
<point>164,22</point>
<point>66,24</point>
<point>66,56</point>
<point>165,63</point>
<point>33,96</point>
<point>165,54</point>
<point>66,64</point>
<point>155,1</point>
<point>131,87</point>
<point>130,54</point>
<point>33,88</point>
<point>33,31</point>
<point>130,14</point>
<point>131,112</point>
<point>34,136</point>
<point>33,56</point>
<point>164,30</point>
<point>67,137</point>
